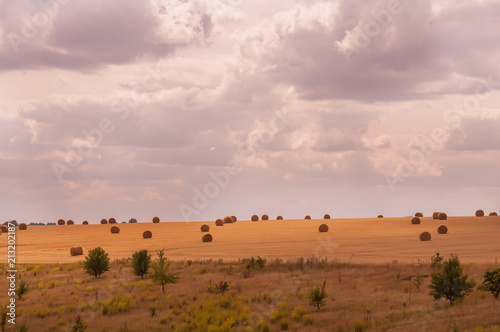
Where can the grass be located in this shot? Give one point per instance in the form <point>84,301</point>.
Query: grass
<point>365,298</point>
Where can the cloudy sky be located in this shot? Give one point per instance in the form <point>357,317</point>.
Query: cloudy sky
<point>196,109</point>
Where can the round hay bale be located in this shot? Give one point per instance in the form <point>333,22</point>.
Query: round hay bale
<point>419,214</point>
<point>479,213</point>
<point>4,229</point>
<point>265,217</point>
<point>435,215</point>
<point>307,217</point>
<point>493,214</point>
<point>219,222</point>
<point>234,218</point>
<point>70,222</point>
<point>103,221</point>
<point>112,221</point>
<point>255,217</point>
<point>75,251</point>
<point>156,220</point>
<point>115,230</point>
<point>85,222</point>
<point>61,222</point>
<point>380,216</point>
<point>205,228</point>
<point>326,216</point>
<point>415,221</point>
<point>206,238</point>
<point>23,226</point>
<point>443,216</point>
<point>425,236</point>
<point>279,218</point>
<point>228,220</point>
<point>442,229</point>
<point>323,228</point>
<point>147,234</point>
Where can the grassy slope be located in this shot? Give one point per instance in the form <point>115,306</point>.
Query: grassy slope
<point>361,297</point>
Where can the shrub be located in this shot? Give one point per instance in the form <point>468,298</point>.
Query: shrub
<point>260,262</point>
<point>96,262</point>
<point>436,260</point>
<point>79,325</point>
<point>141,262</point>
<point>297,313</point>
<point>22,289</point>
<point>317,296</point>
<point>451,284</point>
<point>284,324</point>
<point>160,268</point>
<point>308,320</point>
<point>491,282</point>
<point>132,221</point>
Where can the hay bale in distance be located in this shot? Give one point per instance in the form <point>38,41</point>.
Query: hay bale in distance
<point>442,229</point>
<point>156,220</point>
<point>23,226</point>
<point>443,216</point>
<point>435,215</point>
<point>147,234</point>
<point>323,228</point>
<point>70,222</point>
<point>279,218</point>
<point>415,221</point>
<point>265,217</point>
<point>75,251</point>
<point>115,230</point>
<point>326,216</point>
<point>219,222</point>
<point>206,238</point>
<point>228,220</point>
<point>479,213</point>
<point>493,214</point>
<point>112,221</point>
<point>61,222</point>
<point>234,218</point>
<point>205,228</point>
<point>419,214</point>
<point>103,221</point>
<point>4,229</point>
<point>255,217</point>
<point>380,216</point>
<point>425,236</point>
<point>307,217</point>
<point>85,222</point>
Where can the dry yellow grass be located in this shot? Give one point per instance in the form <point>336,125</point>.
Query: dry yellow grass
<point>369,240</point>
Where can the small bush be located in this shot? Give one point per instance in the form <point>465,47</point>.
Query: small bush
<point>96,262</point>
<point>141,261</point>
<point>284,324</point>
<point>317,296</point>
<point>308,320</point>
<point>297,313</point>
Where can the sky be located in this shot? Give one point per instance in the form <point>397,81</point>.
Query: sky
<point>196,109</point>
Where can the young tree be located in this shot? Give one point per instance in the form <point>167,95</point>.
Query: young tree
<point>451,284</point>
<point>96,262</point>
<point>161,275</point>
<point>491,282</point>
<point>317,296</point>
<point>23,289</point>
<point>140,263</point>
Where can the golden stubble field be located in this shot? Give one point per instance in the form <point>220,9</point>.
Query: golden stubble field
<point>473,239</point>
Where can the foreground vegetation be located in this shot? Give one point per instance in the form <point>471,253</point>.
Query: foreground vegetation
<point>250,295</point>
